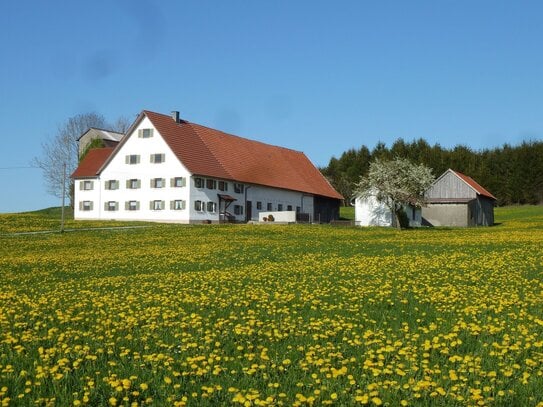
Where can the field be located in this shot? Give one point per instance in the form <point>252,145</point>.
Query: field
<point>271,315</point>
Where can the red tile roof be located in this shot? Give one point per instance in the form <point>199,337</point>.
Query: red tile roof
<point>92,162</point>
<point>472,183</point>
<point>213,153</point>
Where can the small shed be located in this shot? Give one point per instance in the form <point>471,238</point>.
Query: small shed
<point>455,199</point>
<point>370,212</point>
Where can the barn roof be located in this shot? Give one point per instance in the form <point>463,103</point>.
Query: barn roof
<point>474,185</point>
<point>92,162</point>
<point>104,134</point>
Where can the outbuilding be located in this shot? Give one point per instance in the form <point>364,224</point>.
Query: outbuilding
<point>455,199</point>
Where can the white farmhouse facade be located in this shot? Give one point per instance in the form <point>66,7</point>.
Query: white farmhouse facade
<point>169,170</point>
<point>370,212</point>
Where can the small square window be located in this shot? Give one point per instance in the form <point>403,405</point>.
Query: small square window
<point>223,186</point>
<point>258,205</point>
<point>238,188</point>
<point>133,183</point>
<point>178,182</point>
<point>211,207</point>
<point>158,158</point>
<point>145,133</point>
<point>238,210</point>
<point>157,183</point>
<point>199,182</point>
<point>132,159</point>
<point>157,205</point>
<point>85,206</point>
<point>111,206</point>
<point>289,207</point>
<point>298,209</point>
<point>269,207</point>
<point>112,184</point>
<point>280,207</point>
<point>177,205</point>
<point>132,205</point>
<point>87,185</point>
<point>198,206</point>
<point>211,184</point>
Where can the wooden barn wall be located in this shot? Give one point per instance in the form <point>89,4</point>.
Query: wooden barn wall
<point>450,186</point>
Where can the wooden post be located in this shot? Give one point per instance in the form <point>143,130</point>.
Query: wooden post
<point>63,197</point>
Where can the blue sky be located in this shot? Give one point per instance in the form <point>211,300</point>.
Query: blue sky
<point>315,76</point>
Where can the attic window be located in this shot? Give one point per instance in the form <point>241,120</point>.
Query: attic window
<point>132,159</point>
<point>145,133</point>
<point>211,184</point>
<point>199,182</point>
<point>223,186</point>
<point>158,158</point>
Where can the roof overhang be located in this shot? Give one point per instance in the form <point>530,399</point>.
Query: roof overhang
<point>225,197</point>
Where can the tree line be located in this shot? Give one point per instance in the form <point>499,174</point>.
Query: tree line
<point>513,174</point>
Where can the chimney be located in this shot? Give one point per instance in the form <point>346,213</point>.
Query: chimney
<point>175,116</point>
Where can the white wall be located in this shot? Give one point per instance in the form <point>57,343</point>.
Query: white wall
<point>288,216</point>
<point>370,212</point>
<point>276,197</point>
<point>87,195</point>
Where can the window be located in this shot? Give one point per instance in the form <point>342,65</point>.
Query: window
<point>413,213</point>
<point>112,184</point>
<point>133,183</point>
<point>212,207</point>
<point>258,205</point>
<point>279,207</point>
<point>211,184</point>
<point>132,159</point>
<point>85,205</point>
<point>145,133</point>
<point>298,209</point>
<point>238,210</point>
<point>177,205</point>
<point>86,185</point>
<point>223,186</point>
<point>238,188</point>
<point>198,206</point>
<point>158,183</point>
<point>289,207</point>
<point>156,205</point>
<point>111,206</point>
<point>269,207</point>
<point>132,205</point>
<point>178,182</point>
<point>158,158</point>
<point>199,182</point>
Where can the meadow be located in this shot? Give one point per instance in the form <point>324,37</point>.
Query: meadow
<point>256,315</point>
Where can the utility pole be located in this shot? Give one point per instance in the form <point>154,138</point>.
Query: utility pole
<point>63,197</point>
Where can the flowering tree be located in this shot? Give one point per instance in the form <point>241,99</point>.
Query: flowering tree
<point>396,183</point>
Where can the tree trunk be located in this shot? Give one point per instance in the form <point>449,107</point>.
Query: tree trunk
<point>397,220</point>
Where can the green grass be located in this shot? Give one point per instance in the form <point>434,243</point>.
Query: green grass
<point>272,315</point>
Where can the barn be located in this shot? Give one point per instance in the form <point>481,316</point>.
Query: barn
<point>455,199</point>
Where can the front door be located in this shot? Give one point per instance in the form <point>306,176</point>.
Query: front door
<point>249,211</point>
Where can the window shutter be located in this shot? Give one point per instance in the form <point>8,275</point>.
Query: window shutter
<point>183,204</point>
<point>126,205</point>
<point>91,205</point>
<point>138,159</point>
<point>105,206</point>
<point>152,158</point>
<point>183,181</point>
<point>116,184</point>
<point>152,183</point>
<point>172,182</point>
<point>127,184</point>
<point>139,183</point>
<point>127,159</point>
<point>172,204</point>
<point>162,158</point>
<point>140,133</point>
<point>116,206</point>
<point>162,205</point>
<point>137,205</point>
<point>151,132</point>
<point>151,205</point>
<point>163,182</point>
<point>80,205</point>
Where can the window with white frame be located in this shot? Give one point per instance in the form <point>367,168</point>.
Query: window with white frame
<point>133,183</point>
<point>223,186</point>
<point>178,205</point>
<point>198,206</point>
<point>158,183</point>
<point>211,184</point>
<point>112,184</point>
<point>158,158</point>
<point>156,205</point>
<point>85,205</point>
<point>238,188</point>
<point>198,182</point>
<point>132,159</point>
<point>212,207</point>
<point>238,210</point>
<point>145,133</point>
<point>86,185</point>
<point>111,206</point>
<point>132,205</point>
<point>178,182</point>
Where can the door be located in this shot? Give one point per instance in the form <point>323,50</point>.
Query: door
<point>248,211</point>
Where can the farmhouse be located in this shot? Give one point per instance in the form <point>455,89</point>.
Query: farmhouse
<point>454,199</point>
<point>109,138</point>
<point>171,170</point>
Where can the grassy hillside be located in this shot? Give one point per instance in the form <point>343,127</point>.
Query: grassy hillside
<point>273,315</point>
